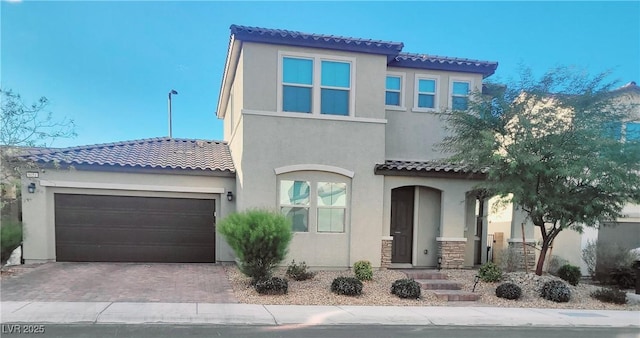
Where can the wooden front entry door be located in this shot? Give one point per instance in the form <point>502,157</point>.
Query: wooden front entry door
<point>402,224</point>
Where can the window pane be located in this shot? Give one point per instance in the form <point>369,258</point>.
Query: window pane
<point>633,131</point>
<point>613,130</point>
<point>294,192</point>
<point>330,220</point>
<point>459,103</point>
<point>296,99</point>
<point>297,71</point>
<point>427,86</point>
<point>336,74</point>
<point>334,102</point>
<point>393,82</point>
<point>298,216</point>
<point>332,194</point>
<point>426,101</point>
<point>461,88</point>
<point>392,99</point>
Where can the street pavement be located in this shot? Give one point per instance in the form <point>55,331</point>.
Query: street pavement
<point>297,316</point>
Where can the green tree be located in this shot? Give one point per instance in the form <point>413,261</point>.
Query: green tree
<point>554,144</point>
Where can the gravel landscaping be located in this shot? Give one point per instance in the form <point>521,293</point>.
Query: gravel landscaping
<point>377,291</point>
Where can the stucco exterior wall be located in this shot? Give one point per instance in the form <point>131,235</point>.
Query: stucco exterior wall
<point>411,134</point>
<point>272,142</point>
<point>38,208</point>
<point>261,66</point>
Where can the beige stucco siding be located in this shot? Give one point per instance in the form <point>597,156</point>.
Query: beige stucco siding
<point>261,67</point>
<point>38,208</point>
<point>411,134</point>
<point>274,142</point>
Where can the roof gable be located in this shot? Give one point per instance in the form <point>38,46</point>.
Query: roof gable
<point>155,153</point>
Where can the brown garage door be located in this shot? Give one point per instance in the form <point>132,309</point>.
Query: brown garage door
<point>99,228</point>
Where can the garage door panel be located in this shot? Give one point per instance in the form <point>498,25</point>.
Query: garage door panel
<point>134,229</point>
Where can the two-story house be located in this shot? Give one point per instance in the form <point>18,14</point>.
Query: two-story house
<point>336,133</point>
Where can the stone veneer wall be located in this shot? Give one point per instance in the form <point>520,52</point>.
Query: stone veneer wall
<point>515,249</point>
<point>385,261</point>
<point>452,253</point>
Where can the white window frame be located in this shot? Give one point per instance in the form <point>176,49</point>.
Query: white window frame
<point>402,77</point>
<point>436,94</point>
<point>453,79</point>
<point>316,91</point>
<point>312,207</point>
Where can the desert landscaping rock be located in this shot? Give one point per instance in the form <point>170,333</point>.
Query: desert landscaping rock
<point>378,291</point>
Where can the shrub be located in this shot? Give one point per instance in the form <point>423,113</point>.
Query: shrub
<point>508,291</point>
<point>555,263</point>
<point>10,237</point>
<point>570,273</point>
<point>272,286</point>
<point>406,288</point>
<point>623,277</point>
<point>362,269</point>
<point>609,295</point>
<point>490,272</point>
<point>349,286</point>
<point>556,291</point>
<point>259,239</point>
<point>299,271</point>
<point>601,259</point>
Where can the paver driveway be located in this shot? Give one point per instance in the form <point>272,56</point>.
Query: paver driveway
<point>119,282</point>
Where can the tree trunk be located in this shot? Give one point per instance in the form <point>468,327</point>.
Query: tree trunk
<point>543,255</point>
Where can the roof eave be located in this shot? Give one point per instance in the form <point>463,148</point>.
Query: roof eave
<point>432,173</point>
<point>136,169</point>
<point>391,50</point>
<point>486,69</point>
<point>228,76</point>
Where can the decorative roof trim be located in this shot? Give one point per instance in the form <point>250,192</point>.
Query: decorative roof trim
<point>435,62</point>
<point>437,169</point>
<point>295,38</point>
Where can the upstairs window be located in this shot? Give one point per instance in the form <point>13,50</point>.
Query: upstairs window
<point>460,95</point>
<point>393,91</point>
<point>426,97</point>
<point>297,85</point>
<point>632,131</point>
<point>316,85</point>
<point>335,85</point>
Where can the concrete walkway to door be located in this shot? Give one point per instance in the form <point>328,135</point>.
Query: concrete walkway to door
<point>118,282</point>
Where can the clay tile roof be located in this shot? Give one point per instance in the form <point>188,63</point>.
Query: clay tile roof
<point>434,167</point>
<point>153,153</point>
<point>436,62</point>
<point>286,37</point>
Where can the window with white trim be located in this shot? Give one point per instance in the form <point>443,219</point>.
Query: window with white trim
<point>394,86</point>
<point>316,85</point>
<point>459,99</point>
<point>294,203</point>
<point>314,206</point>
<point>426,93</point>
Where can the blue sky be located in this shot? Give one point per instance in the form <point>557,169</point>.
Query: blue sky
<point>110,65</point>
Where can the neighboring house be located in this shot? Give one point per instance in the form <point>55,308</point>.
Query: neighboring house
<point>336,133</point>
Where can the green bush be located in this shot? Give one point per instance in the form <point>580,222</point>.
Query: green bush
<point>624,277</point>
<point>609,295</point>
<point>406,288</point>
<point>556,291</point>
<point>348,286</point>
<point>272,286</point>
<point>260,240</point>
<point>489,272</point>
<point>508,291</point>
<point>10,237</point>
<point>299,271</point>
<point>555,263</point>
<point>570,273</point>
<point>363,270</point>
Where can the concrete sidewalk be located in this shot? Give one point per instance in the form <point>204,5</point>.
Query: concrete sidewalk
<point>249,314</point>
